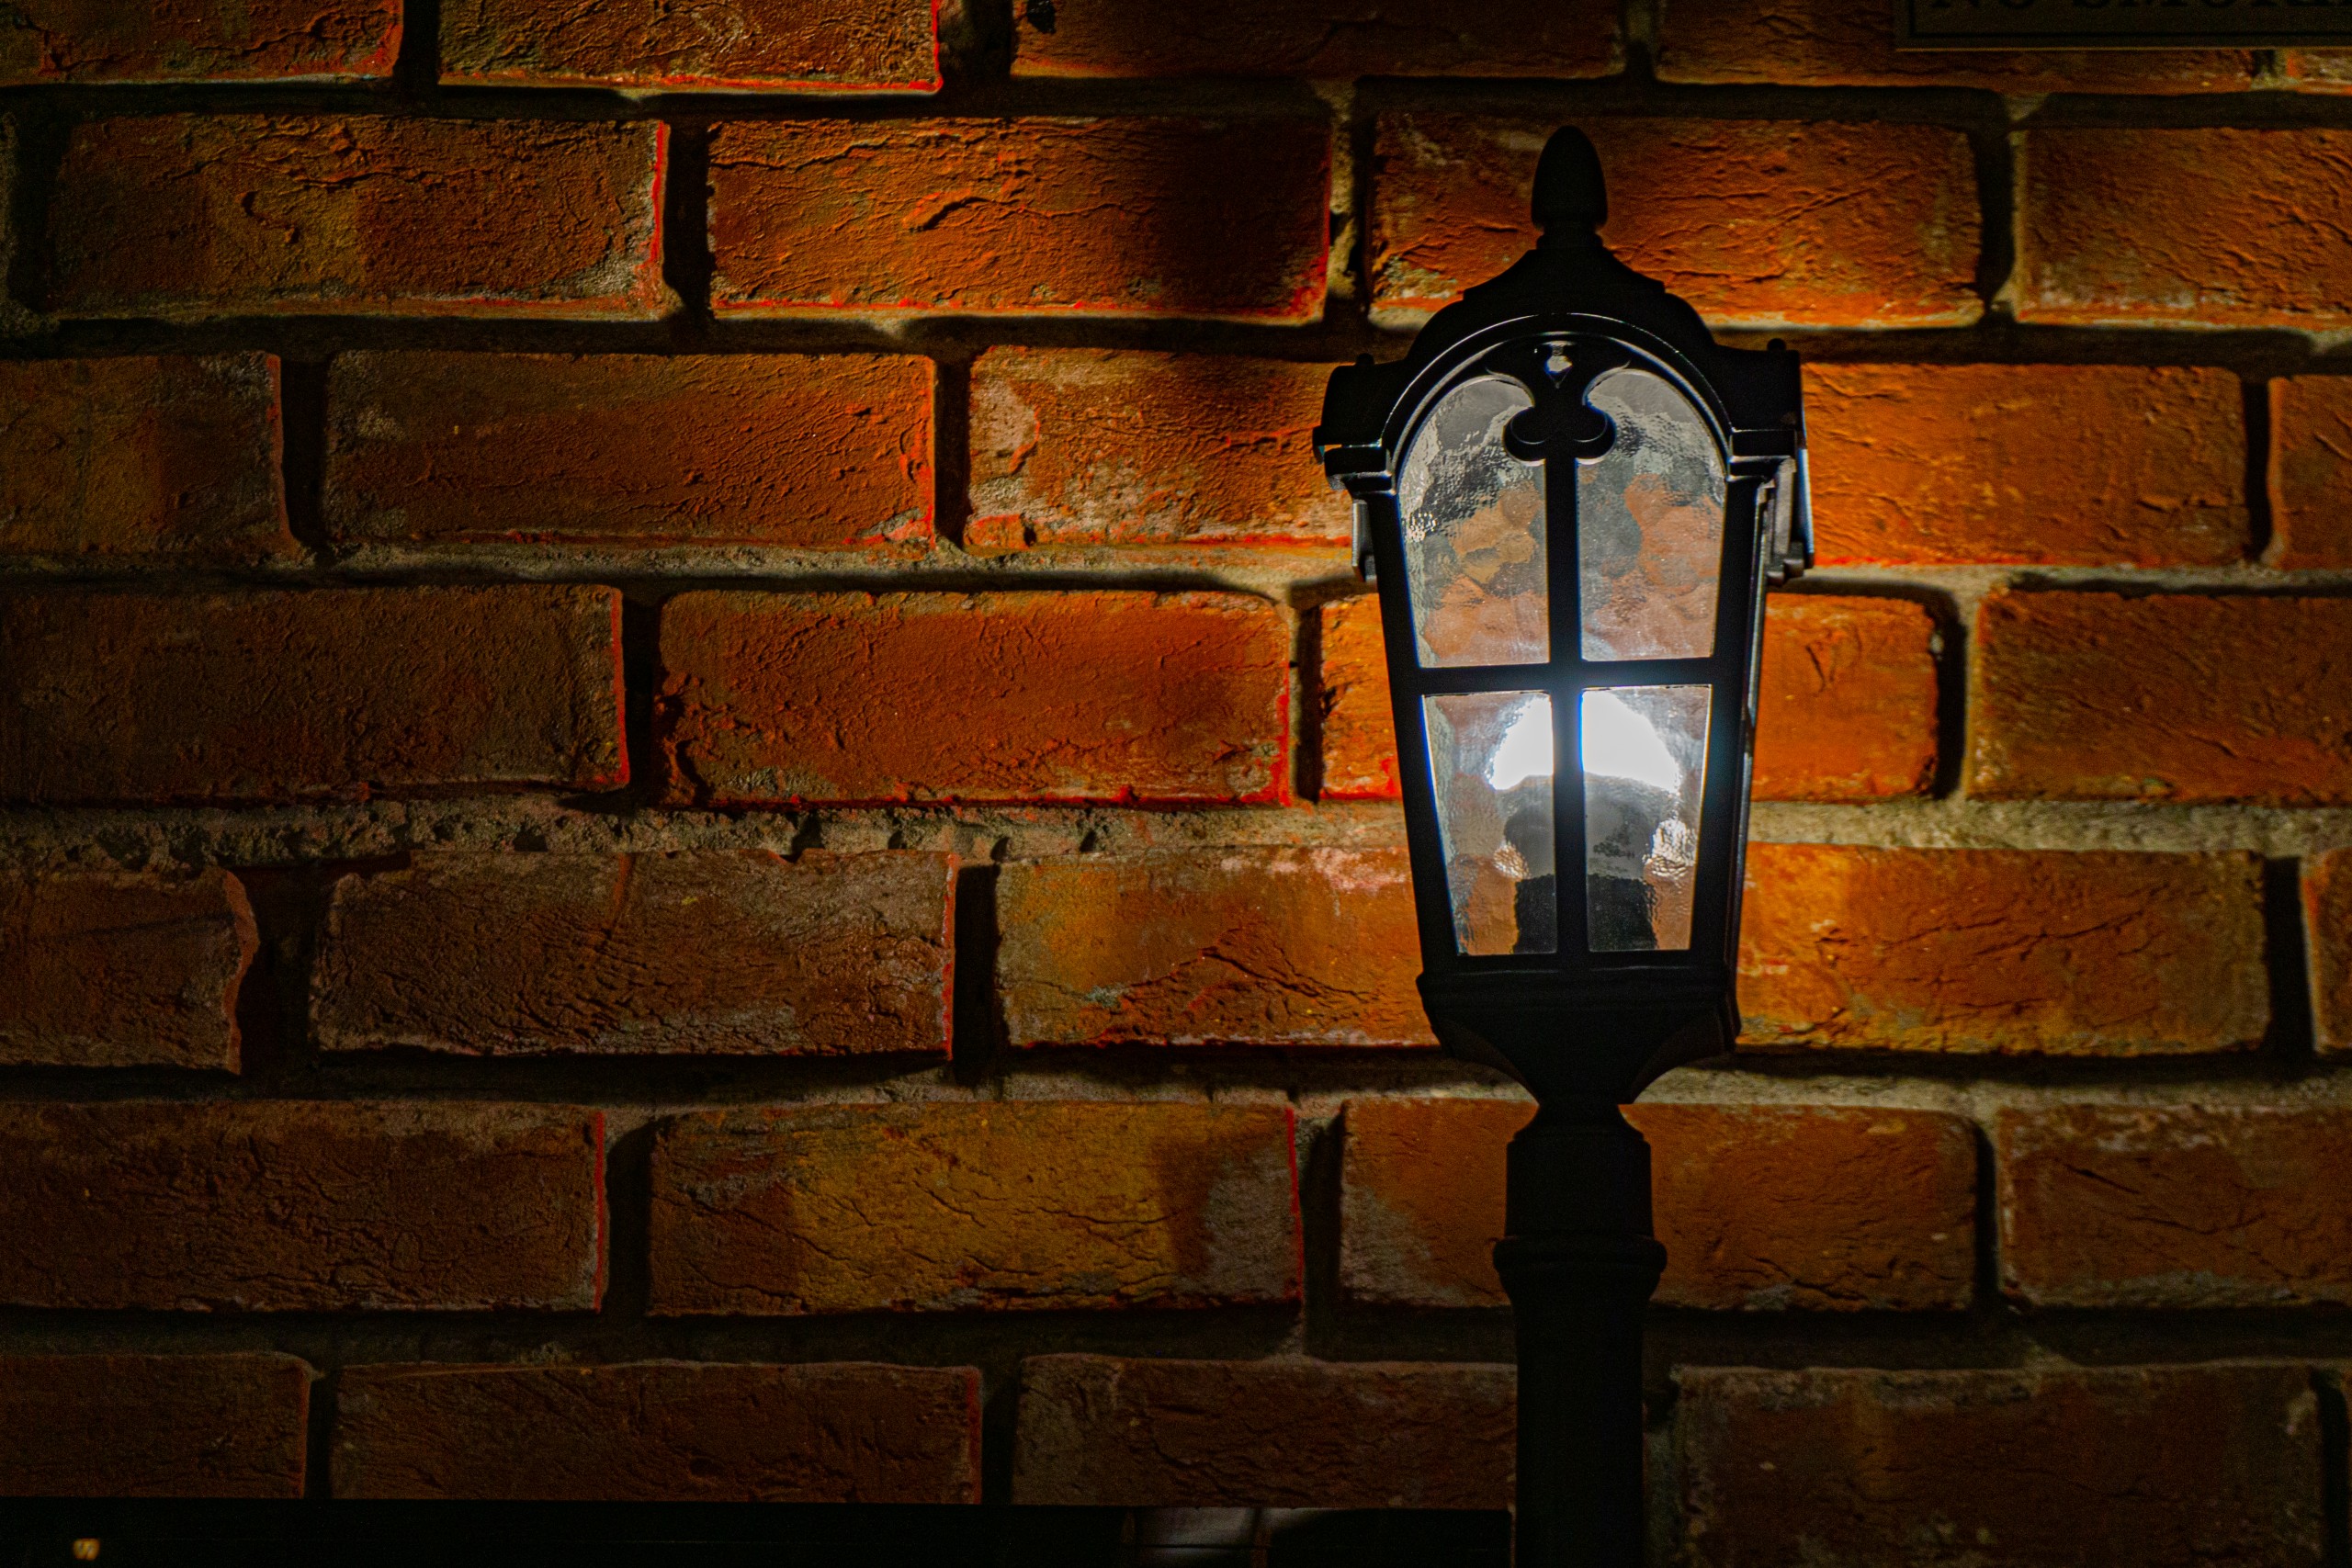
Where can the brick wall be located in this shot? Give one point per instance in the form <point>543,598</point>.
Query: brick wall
<point>696,804</point>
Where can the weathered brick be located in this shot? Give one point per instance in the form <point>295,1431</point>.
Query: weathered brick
<point>506,954</point>
<point>828,451</point>
<point>2327,932</point>
<point>1846,701</point>
<point>1761,1207</point>
<point>2170,697</point>
<point>1219,947</point>
<point>1754,222</point>
<point>121,969</point>
<point>199,40</point>
<point>2161,1467</point>
<point>301,1206</point>
<point>2203,227</point>
<point>957,1206</point>
<point>1095,446</point>
<point>2310,472</point>
<point>2043,465</point>
<point>1851,43</point>
<point>1100,1431</point>
<point>851,46</point>
<point>137,456</point>
<point>1325,38</point>
<point>771,698</point>
<point>1132,217</point>
<point>126,1426</point>
<point>190,215</point>
<point>658,1431</point>
<point>2317,70</point>
<point>2174,1206</point>
<point>2002,952</point>
<point>289,695</point>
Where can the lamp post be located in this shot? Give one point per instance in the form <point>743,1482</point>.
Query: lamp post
<point>1571,500</point>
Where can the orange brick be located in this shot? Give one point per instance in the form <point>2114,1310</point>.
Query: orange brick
<point>2161,1467</point>
<point>1094,446</point>
<point>1761,1207</point>
<point>298,695</point>
<point>774,698</point>
<point>1851,43</point>
<point>136,456</point>
<point>281,1205</point>
<point>2002,952</point>
<point>1101,1432</point>
<point>822,452</point>
<point>1359,731</point>
<point>661,1431</point>
<point>1316,39</point>
<point>1275,947</point>
<point>2174,1206</point>
<point>1131,216</point>
<point>996,1205</point>
<point>2318,70</point>
<point>504,954</point>
<point>2170,697</point>
<point>2310,472</point>
<point>2042,465</point>
<point>1754,222</point>
<point>2327,933</point>
<point>2205,227</point>
<point>121,969</point>
<point>126,1426</point>
<point>199,40</point>
<point>844,46</point>
<point>193,216</point>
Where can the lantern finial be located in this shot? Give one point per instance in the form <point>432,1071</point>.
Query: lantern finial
<point>1570,198</point>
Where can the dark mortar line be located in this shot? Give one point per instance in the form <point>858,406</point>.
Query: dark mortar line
<point>2335,1468</point>
<point>2261,519</point>
<point>2292,1038</point>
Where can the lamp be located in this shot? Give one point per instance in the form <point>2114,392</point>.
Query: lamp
<point>1571,500</point>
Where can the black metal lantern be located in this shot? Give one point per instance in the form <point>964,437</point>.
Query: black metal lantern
<point>1571,500</point>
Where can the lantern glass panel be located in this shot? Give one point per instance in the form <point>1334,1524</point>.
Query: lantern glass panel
<point>1474,532</point>
<point>1644,772</point>
<point>1491,757</point>
<point>1649,524</point>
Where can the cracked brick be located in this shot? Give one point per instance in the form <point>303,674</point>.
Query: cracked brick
<point>2310,472</point>
<point>141,1426</point>
<point>1318,38</point>
<point>844,46</point>
<point>2327,936</point>
<point>199,40</point>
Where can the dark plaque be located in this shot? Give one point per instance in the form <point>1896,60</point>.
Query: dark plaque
<point>2121,24</point>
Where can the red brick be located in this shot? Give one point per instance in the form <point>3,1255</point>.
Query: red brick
<point>2310,472</point>
<point>137,456</point>
<point>2170,697</point>
<point>821,452</point>
<point>1754,222</point>
<point>842,46</point>
<point>505,954</point>
<point>2327,932</point>
<point>1851,43</point>
<point>2002,952</point>
<point>301,1206</point>
<point>1098,1431</point>
<point>1848,701</point>
<point>199,40</point>
<point>1095,446</point>
<point>1322,38</point>
<point>194,216</point>
<point>2204,227</point>
<point>1761,1207</point>
<point>2317,70</point>
<point>2042,465</point>
<point>659,1431</point>
<point>1216,947</point>
<point>153,1425</point>
<point>121,969</point>
<point>294,696</point>
<point>772,698</point>
<point>2174,1206</point>
<point>998,1205</point>
<point>2161,1467</point>
<point>1096,217</point>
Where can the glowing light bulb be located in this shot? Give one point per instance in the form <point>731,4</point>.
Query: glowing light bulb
<point>1526,750</point>
<point>1620,744</point>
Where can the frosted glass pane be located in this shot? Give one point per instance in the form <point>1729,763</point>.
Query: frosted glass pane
<point>1474,532</point>
<point>1645,770</point>
<point>1491,755</point>
<point>1649,524</point>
